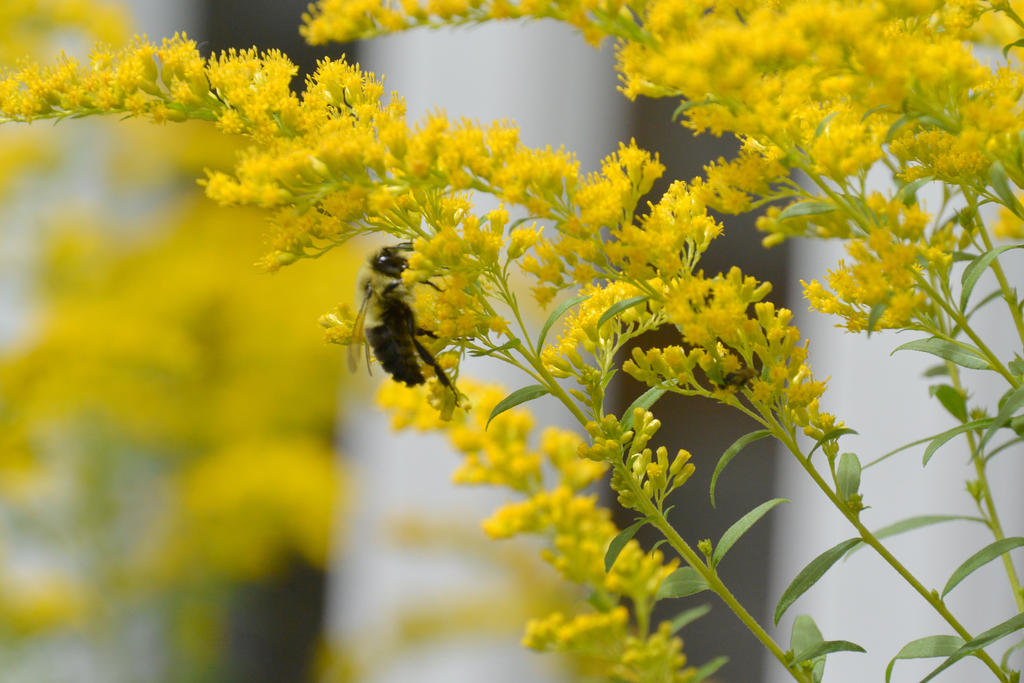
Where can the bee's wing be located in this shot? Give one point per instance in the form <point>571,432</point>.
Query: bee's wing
<point>359,335</point>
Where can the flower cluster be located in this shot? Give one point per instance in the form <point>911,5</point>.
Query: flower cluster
<point>340,21</point>
<point>496,452</point>
<point>604,636</point>
<point>825,97</point>
<point>831,89</point>
<point>638,474</point>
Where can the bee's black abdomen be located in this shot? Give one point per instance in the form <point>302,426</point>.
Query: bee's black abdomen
<point>392,344</point>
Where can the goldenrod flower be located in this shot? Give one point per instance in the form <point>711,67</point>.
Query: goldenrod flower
<point>579,530</point>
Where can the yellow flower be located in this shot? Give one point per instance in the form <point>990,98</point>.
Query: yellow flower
<point>954,159</point>
<point>581,331</point>
<point>670,238</point>
<point>587,633</point>
<point>247,509</point>
<point>579,530</point>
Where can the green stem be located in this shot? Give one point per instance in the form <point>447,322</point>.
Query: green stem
<point>961,322</point>
<point>552,385</point>
<point>997,529</point>
<point>642,611</point>
<point>865,534</point>
<point>986,499</point>
<point>1004,285</point>
<point>715,584</point>
<point>862,221</point>
<point>526,351</point>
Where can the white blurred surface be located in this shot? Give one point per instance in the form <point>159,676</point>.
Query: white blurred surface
<point>886,400</point>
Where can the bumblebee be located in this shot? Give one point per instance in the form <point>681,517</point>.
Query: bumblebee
<point>386,322</point>
<point>737,379</point>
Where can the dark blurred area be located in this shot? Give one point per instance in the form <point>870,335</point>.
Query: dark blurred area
<point>276,626</point>
<point>706,429</point>
<point>266,24</point>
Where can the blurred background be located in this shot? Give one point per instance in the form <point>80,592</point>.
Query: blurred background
<point>191,489</point>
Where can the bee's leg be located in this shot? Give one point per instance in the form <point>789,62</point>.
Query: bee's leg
<point>428,282</point>
<point>425,333</point>
<point>432,362</point>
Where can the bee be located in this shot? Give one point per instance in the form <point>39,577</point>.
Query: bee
<point>386,322</point>
<point>737,379</point>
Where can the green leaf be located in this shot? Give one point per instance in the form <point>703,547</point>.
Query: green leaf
<point>1016,366</point>
<point>680,583</point>
<point>912,523</point>
<point>1009,405</point>
<point>709,668</point>
<point>601,601</point>
<point>826,647</point>
<point>899,449</point>
<point>976,268</point>
<point>1001,184</point>
<point>690,104</point>
<point>806,208</point>
<point>941,439</point>
<point>899,123</point>
<point>981,558</point>
<point>861,205</point>
<point>1004,446</point>
<point>952,399</point>
<point>876,313</point>
<point>939,370</point>
<point>873,110</point>
<point>994,294</point>
<point>1005,659</point>
<point>823,124</point>
<point>512,344</point>
<point>1012,624</point>
<point>804,636</point>
<point>645,401</point>
<point>1010,46</point>
<point>961,354</point>
<point>964,256</point>
<point>516,223</point>
<point>733,533</point>
<point>527,393</point>
<point>557,313</point>
<point>935,122</point>
<point>810,574</point>
<point>619,307</point>
<point>731,452</point>
<point>830,436</point>
<point>848,475</point>
<point>923,648</point>
<point>689,616</point>
<point>619,542</point>
<point>908,193</point>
